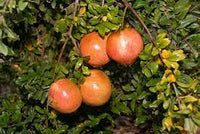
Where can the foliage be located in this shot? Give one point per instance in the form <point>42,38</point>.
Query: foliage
<point>161,90</point>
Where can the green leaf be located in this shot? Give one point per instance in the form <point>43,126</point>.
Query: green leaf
<point>187,21</point>
<point>113,19</point>
<point>139,4</point>
<point>164,43</point>
<point>64,69</point>
<point>128,88</point>
<point>154,104</point>
<point>16,116</point>
<point>155,51</point>
<point>146,53</point>
<point>121,108</point>
<point>11,5</point>
<point>114,10</point>
<point>157,15</point>
<point>94,21</point>
<point>3,49</point>
<point>182,7</point>
<point>196,120</point>
<point>102,29</point>
<point>152,82</point>
<point>153,66</point>
<point>146,72</point>
<point>4,119</point>
<point>11,35</point>
<point>39,109</point>
<point>165,20</point>
<point>85,70</point>
<point>110,25</point>
<point>189,63</point>
<point>194,37</point>
<point>128,97</point>
<point>166,103</point>
<point>141,119</point>
<point>53,4</point>
<point>79,63</point>
<point>185,111</point>
<point>161,36</point>
<point>60,25</point>
<point>22,5</point>
<point>133,104</point>
<point>190,126</point>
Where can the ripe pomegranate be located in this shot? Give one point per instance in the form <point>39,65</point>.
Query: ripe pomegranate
<point>124,46</point>
<point>64,96</point>
<point>94,46</point>
<point>96,90</point>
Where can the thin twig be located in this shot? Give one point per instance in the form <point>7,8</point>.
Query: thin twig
<point>177,96</point>
<point>47,106</point>
<point>102,3</point>
<point>74,42</point>
<point>4,8</point>
<point>59,57</point>
<point>124,13</point>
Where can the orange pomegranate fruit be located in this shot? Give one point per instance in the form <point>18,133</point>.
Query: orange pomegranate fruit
<point>93,45</point>
<point>96,90</point>
<point>124,46</point>
<point>64,96</point>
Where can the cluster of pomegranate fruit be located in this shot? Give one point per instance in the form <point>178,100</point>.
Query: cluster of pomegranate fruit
<point>122,46</point>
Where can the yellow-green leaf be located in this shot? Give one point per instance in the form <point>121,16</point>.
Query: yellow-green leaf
<point>189,98</point>
<point>167,123</point>
<point>177,55</point>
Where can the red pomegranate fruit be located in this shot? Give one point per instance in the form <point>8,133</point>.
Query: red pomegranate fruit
<point>93,45</point>
<point>64,96</point>
<point>96,90</point>
<point>124,46</point>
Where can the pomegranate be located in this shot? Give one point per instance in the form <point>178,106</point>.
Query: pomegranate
<point>94,45</point>
<point>124,46</point>
<point>96,90</point>
<point>64,96</point>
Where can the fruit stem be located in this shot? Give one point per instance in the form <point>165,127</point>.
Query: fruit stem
<point>141,21</point>
<point>124,13</point>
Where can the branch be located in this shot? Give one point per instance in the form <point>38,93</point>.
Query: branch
<point>153,42</point>
<point>143,24</point>
<point>69,33</point>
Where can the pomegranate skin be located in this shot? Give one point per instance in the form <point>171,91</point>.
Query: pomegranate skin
<point>97,89</point>
<point>124,46</point>
<point>64,96</point>
<point>93,45</point>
